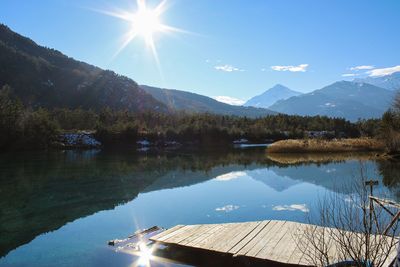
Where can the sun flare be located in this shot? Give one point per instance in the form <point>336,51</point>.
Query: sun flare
<point>145,256</point>
<point>146,22</point>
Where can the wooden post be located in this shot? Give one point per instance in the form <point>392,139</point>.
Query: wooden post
<point>371,184</point>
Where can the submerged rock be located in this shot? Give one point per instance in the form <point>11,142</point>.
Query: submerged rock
<point>241,141</point>
<point>143,143</point>
<point>79,140</point>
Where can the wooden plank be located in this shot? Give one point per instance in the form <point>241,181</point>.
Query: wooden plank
<point>201,242</point>
<point>189,230</point>
<point>177,232</point>
<point>198,234</point>
<point>283,248</point>
<point>243,247</point>
<point>170,230</point>
<point>280,245</point>
<point>269,239</point>
<point>204,233</point>
<point>306,258</point>
<point>391,257</point>
<point>223,245</point>
<point>218,235</point>
<point>259,239</point>
<point>247,232</point>
<point>223,240</point>
<point>297,256</point>
<point>333,249</point>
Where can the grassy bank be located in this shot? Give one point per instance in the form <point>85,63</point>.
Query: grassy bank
<point>326,146</point>
<point>299,158</point>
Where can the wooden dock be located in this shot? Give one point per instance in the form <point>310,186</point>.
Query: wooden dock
<point>270,240</point>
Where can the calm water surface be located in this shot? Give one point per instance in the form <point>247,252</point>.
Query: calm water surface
<point>61,208</point>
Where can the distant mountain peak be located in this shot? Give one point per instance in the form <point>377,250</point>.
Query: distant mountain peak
<point>269,97</point>
<point>389,82</point>
<point>278,86</point>
<point>346,99</point>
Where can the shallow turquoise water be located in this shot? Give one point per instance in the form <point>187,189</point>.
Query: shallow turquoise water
<point>61,208</point>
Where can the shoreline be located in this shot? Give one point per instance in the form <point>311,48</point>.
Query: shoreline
<point>292,146</point>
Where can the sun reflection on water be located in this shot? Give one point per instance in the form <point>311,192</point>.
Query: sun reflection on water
<point>145,255</point>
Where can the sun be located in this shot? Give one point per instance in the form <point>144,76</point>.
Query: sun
<point>145,23</point>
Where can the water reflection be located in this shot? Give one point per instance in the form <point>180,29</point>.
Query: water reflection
<point>42,192</point>
<point>390,173</point>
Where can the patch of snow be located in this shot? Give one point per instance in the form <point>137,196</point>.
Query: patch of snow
<point>332,105</point>
<point>230,176</point>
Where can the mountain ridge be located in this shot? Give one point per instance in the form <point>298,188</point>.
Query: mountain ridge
<point>346,99</point>
<point>44,77</point>
<point>196,103</point>
<point>271,96</point>
<point>389,82</point>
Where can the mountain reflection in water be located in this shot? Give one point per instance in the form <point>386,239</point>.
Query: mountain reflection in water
<point>41,192</point>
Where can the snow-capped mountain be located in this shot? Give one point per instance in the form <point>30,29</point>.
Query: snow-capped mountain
<point>350,100</point>
<point>390,82</point>
<point>272,95</point>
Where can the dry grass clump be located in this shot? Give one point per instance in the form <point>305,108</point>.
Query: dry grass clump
<point>319,157</point>
<point>326,146</point>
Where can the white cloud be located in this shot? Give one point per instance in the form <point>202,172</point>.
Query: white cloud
<point>227,208</point>
<point>230,176</point>
<point>349,75</point>
<point>227,68</point>
<point>383,71</point>
<point>362,67</point>
<point>330,170</point>
<point>293,207</point>
<point>299,68</point>
<point>229,100</point>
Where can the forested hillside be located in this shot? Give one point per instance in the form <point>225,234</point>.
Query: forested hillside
<point>43,77</point>
<point>195,103</point>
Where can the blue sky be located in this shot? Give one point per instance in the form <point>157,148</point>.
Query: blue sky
<point>236,48</point>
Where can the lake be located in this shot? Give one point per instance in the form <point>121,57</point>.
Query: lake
<point>61,208</point>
